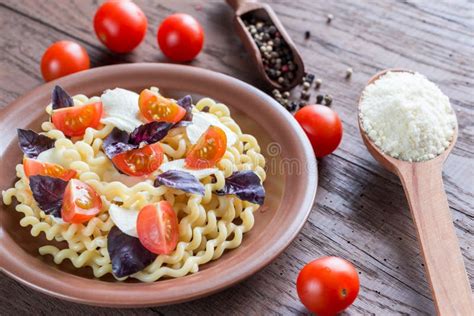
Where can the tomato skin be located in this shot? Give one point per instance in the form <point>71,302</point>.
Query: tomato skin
<point>150,158</point>
<point>63,58</point>
<point>120,25</point>
<point>73,121</point>
<point>328,285</point>
<point>208,150</point>
<point>180,37</point>
<point>80,202</point>
<point>322,126</point>
<point>155,107</point>
<point>33,167</point>
<point>157,228</point>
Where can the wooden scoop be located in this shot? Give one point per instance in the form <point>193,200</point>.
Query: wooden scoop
<point>266,13</point>
<point>423,185</point>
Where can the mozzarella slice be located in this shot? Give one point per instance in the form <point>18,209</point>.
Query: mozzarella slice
<point>201,122</point>
<point>180,166</point>
<point>52,155</point>
<point>121,109</point>
<point>124,219</point>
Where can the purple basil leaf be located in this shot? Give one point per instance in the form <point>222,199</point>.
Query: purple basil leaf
<point>127,254</point>
<point>48,193</point>
<point>246,185</point>
<point>186,102</point>
<point>32,144</point>
<point>60,98</point>
<point>150,133</point>
<point>116,143</point>
<point>180,180</point>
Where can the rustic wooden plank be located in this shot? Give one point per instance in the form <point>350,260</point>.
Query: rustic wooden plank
<point>360,212</point>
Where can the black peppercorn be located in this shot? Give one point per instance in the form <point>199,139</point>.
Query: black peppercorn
<point>319,98</point>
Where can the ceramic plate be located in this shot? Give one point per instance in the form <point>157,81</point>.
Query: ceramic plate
<point>291,187</point>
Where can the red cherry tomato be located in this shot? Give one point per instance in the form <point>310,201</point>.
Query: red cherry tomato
<point>33,167</point>
<point>155,107</point>
<point>74,120</point>
<point>180,37</point>
<point>80,203</point>
<point>120,25</point>
<point>63,58</point>
<point>140,161</point>
<point>322,126</point>
<point>208,150</point>
<point>157,228</point>
<point>328,285</point>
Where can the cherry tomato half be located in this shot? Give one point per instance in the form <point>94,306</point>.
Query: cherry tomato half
<point>63,58</point>
<point>80,202</point>
<point>120,25</point>
<point>180,37</point>
<point>74,120</point>
<point>208,150</point>
<point>155,107</point>
<point>140,161</point>
<point>328,285</point>
<point>157,228</point>
<point>33,167</point>
<point>322,126</point>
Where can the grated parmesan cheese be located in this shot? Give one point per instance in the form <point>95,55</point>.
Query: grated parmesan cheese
<point>407,116</point>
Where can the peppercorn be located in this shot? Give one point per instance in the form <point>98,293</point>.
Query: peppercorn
<point>348,73</point>
<point>307,35</point>
<point>329,18</point>
<point>319,98</point>
<point>293,106</point>
<point>286,94</point>
<point>305,96</point>
<point>318,83</point>
<point>328,100</point>
<point>309,78</point>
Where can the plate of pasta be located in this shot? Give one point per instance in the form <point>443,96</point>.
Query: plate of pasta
<point>148,184</point>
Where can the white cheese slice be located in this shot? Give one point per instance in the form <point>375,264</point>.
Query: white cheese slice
<point>121,109</point>
<point>179,165</point>
<point>52,155</point>
<point>201,122</point>
<point>124,219</point>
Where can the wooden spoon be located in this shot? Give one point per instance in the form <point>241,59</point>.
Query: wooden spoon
<point>423,185</point>
<point>266,13</point>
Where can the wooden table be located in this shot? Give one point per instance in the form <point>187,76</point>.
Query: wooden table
<point>360,211</point>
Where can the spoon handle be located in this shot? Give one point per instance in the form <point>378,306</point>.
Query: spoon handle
<point>423,185</point>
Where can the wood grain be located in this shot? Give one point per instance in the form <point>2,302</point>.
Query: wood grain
<point>360,212</point>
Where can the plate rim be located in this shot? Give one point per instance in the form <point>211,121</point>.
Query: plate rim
<point>23,275</point>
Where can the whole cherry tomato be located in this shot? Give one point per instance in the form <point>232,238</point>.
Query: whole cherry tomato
<point>328,285</point>
<point>120,25</point>
<point>63,58</point>
<point>322,126</point>
<point>180,37</point>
